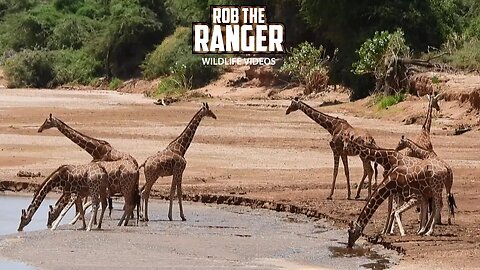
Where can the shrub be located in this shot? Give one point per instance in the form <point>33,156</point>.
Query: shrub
<point>309,65</point>
<point>39,68</point>
<point>74,66</point>
<point>384,102</point>
<point>158,62</point>
<point>169,87</point>
<point>71,33</point>
<point>115,83</point>
<point>174,57</point>
<point>29,68</point>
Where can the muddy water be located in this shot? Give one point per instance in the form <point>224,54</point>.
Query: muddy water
<point>213,237</point>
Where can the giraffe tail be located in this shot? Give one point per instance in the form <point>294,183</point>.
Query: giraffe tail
<point>375,168</point>
<point>451,204</point>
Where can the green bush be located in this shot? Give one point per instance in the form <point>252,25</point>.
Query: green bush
<point>39,68</point>
<point>74,66</point>
<point>174,57</point>
<point>384,102</point>
<point>71,33</point>
<point>159,62</point>
<point>169,87</point>
<point>115,83</point>
<point>375,52</point>
<point>309,65</point>
<point>29,68</point>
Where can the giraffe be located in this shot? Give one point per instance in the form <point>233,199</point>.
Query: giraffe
<point>420,179</point>
<point>171,161</point>
<point>123,164</point>
<point>72,179</point>
<point>341,132</point>
<point>389,159</point>
<point>100,150</point>
<point>422,139</point>
<point>430,154</point>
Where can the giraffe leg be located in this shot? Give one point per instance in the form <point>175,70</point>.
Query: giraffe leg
<point>388,221</point>
<point>145,196</point>
<point>336,160</point>
<point>78,216</point>
<point>130,199</point>
<point>72,200</point>
<point>82,214</point>
<point>110,207</point>
<point>347,175</point>
<point>398,200</point>
<point>423,216</point>
<point>104,207</point>
<point>95,202</point>
<point>437,207</point>
<point>180,195</point>
<point>367,171</point>
<point>172,193</point>
<point>438,217</point>
<point>409,204</point>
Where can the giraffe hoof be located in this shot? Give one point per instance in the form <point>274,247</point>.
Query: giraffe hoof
<point>184,219</point>
<point>329,198</point>
<point>357,197</point>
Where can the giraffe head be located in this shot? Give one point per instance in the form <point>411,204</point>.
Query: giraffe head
<point>25,218</point>
<point>434,100</point>
<point>51,217</point>
<point>354,232</point>
<point>207,112</point>
<point>293,106</point>
<point>351,144</point>
<point>402,144</point>
<point>49,123</point>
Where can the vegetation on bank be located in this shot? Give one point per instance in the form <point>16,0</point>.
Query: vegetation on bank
<point>45,43</point>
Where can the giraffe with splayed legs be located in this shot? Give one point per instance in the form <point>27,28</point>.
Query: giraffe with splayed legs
<point>389,159</point>
<point>71,179</point>
<point>122,168</point>
<point>171,161</point>
<point>422,179</point>
<point>341,132</point>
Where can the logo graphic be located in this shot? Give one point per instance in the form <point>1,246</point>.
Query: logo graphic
<point>238,30</point>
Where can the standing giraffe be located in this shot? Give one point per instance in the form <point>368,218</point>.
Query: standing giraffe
<point>122,168</point>
<point>341,132</point>
<point>72,179</point>
<point>425,154</point>
<point>100,150</point>
<point>171,161</point>
<point>422,139</point>
<point>421,179</point>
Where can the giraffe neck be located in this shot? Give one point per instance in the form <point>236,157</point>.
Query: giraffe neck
<point>182,142</point>
<point>96,148</point>
<point>52,181</point>
<point>385,157</point>
<point>428,118</point>
<point>326,121</point>
<point>419,152</point>
<point>372,205</point>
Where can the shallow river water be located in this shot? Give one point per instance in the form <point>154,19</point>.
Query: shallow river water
<point>213,237</point>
